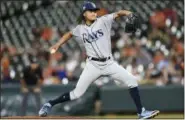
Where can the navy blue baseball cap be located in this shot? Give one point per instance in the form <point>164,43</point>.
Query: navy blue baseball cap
<point>89,6</point>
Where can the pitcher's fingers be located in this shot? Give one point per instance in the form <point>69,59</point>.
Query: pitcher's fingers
<point>52,51</point>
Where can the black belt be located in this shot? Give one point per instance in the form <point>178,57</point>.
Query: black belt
<point>99,59</point>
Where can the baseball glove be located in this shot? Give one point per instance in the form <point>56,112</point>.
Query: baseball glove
<point>132,23</point>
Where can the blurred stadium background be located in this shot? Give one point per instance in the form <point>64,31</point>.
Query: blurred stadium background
<point>155,54</point>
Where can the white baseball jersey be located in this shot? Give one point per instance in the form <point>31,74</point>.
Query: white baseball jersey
<point>96,37</point>
<point>97,41</point>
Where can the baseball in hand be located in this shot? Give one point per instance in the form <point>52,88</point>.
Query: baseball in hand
<point>52,51</point>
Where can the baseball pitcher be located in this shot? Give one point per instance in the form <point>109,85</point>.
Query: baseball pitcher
<point>95,32</point>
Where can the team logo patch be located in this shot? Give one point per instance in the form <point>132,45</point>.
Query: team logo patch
<point>91,37</point>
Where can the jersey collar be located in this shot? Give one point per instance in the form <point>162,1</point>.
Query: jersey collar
<point>91,24</point>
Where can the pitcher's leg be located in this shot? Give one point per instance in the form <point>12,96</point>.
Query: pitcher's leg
<point>89,74</point>
<point>118,73</point>
<point>123,76</point>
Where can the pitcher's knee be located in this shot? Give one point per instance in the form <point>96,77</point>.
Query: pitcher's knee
<point>74,94</point>
<point>132,82</point>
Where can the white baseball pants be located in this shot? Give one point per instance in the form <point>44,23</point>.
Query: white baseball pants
<point>93,70</point>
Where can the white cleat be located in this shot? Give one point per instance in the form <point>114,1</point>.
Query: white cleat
<point>146,114</point>
<point>46,108</point>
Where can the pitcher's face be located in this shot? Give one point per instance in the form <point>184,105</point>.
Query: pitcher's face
<point>90,15</point>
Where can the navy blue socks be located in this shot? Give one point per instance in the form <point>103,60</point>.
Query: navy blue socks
<point>63,98</point>
<point>134,92</point>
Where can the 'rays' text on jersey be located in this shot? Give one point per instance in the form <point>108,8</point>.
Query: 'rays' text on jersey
<point>91,37</point>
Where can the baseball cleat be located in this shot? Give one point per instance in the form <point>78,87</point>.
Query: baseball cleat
<point>146,114</point>
<point>46,108</point>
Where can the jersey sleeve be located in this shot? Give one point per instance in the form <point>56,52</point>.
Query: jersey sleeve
<point>76,31</point>
<point>108,20</point>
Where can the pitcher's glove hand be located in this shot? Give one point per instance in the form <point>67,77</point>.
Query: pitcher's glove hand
<point>132,23</point>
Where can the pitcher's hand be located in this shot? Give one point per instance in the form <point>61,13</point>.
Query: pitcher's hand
<point>54,48</point>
